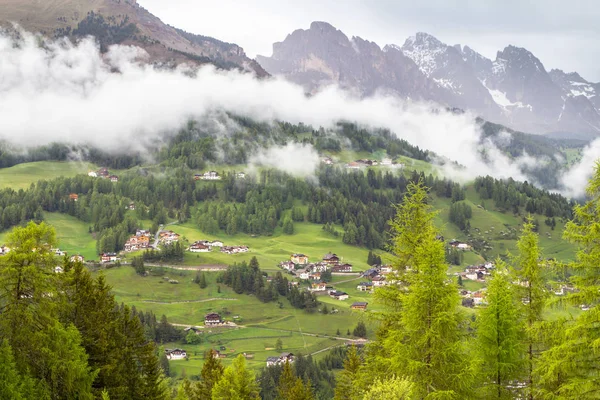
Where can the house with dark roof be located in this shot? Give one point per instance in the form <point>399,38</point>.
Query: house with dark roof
<point>359,305</point>
<point>330,258</point>
<point>212,319</point>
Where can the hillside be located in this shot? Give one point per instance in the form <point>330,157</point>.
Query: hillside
<point>123,22</point>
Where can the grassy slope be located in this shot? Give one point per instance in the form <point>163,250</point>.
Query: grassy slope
<point>261,324</point>
<point>23,175</point>
<point>72,235</point>
<point>308,238</point>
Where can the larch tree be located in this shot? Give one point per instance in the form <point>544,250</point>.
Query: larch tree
<point>390,389</point>
<point>346,387</point>
<point>499,333</point>
<point>425,344</point>
<point>237,383</point>
<point>530,270</point>
<point>570,368</point>
<point>212,372</point>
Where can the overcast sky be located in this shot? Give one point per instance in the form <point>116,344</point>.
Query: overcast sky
<point>562,34</point>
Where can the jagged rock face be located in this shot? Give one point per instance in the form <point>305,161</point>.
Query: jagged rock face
<point>323,55</point>
<point>446,67</point>
<point>514,89</point>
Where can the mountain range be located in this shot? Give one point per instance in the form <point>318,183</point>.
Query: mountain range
<point>514,89</point>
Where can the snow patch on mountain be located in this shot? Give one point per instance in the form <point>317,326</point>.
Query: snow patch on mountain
<point>503,101</point>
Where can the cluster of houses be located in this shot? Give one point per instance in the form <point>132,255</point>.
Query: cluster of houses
<point>205,246</point>
<point>299,265</point>
<point>139,241</point>
<point>103,173</point>
<point>168,237</point>
<point>281,359</point>
<point>363,163</point>
<point>376,277</point>
<point>477,272</point>
<point>4,250</point>
<point>459,245</point>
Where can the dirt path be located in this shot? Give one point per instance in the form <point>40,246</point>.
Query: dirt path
<point>188,301</point>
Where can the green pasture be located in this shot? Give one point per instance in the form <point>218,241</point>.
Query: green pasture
<point>23,175</point>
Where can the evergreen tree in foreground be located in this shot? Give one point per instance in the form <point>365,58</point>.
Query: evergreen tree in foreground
<point>499,334</point>
<point>530,271</point>
<point>425,341</point>
<point>570,368</point>
<point>237,383</point>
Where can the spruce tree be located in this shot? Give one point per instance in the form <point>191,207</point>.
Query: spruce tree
<point>499,333</point>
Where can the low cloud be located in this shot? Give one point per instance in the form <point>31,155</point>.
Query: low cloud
<point>65,92</point>
<point>294,158</point>
<point>575,180</point>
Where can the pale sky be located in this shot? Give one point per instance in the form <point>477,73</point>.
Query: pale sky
<point>562,34</point>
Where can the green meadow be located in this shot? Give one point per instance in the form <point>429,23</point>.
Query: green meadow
<point>308,238</point>
<point>23,175</point>
<point>259,325</point>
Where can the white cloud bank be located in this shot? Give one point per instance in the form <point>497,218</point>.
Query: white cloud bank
<point>64,92</point>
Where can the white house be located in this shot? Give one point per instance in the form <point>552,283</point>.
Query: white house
<point>304,274</point>
<point>199,248</point>
<point>176,354</point>
<point>93,174</point>
<point>215,243</point>
<point>211,176</point>
<point>463,246</point>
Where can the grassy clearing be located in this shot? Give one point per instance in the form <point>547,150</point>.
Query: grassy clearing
<point>308,238</point>
<point>23,175</point>
<point>73,236</point>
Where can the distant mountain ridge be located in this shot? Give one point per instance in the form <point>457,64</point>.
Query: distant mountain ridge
<point>123,22</point>
<point>514,89</point>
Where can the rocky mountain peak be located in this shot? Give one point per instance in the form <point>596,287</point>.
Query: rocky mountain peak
<point>520,58</point>
<point>423,40</point>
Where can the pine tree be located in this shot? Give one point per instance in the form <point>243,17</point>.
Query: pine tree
<point>499,333</point>
<point>237,382</point>
<point>534,293</point>
<point>569,369</point>
<point>346,388</point>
